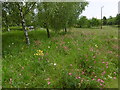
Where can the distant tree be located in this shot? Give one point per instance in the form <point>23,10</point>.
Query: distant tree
<point>104,20</point>
<point>111,20</point>
<point>117,20</point>
<point>95,22</point>
<point>82,22</point>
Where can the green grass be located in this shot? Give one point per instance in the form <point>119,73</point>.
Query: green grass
<point>81,53</point>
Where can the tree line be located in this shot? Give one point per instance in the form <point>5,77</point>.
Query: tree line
<point>84,22</point>
<point>48,15</point>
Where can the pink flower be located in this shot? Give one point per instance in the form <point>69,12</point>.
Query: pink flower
<point>93,79</point>
<point>77,77</point>
<point>103,62</point>
<point>70,64</point>
<point>102,81</point>
<point>65,47</point>
<point>100,84</point>
<point>83,72</point>
<point>103,72</point>
<point>94,61</point>
<point>49,82</point>
<point>95,76</point>
<point>106,66</point>
<point>70,73</point>
<point>99,80</point>
<point>114,77</point>
<point>114,72</point>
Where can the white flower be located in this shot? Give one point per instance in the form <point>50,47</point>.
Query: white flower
<point>54,64</point>
<point>109,76</point>
<point>96,45</point>
<point>12,43</point>
<point>48,46</point>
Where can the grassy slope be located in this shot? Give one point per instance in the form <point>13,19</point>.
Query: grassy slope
<point>21,68</point>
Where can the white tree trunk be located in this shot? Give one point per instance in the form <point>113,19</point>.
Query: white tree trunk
<point>24,26</point>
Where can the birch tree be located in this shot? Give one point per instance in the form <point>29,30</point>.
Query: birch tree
<point>18,12</point>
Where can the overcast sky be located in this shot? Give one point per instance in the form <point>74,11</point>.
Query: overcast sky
<point>94,8</point>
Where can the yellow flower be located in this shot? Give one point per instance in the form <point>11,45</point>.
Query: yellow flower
<point>39,52</point>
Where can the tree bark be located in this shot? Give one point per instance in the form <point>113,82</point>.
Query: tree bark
<point>65,30</point>
<point>24,26</point>
<point>48,33</point>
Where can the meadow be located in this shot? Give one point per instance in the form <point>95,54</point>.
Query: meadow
<point>81,58</point>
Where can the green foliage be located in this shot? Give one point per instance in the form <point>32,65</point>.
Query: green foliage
<point>104,20</point>
<point>95,22</point>
<point>83,22</point>
<point>111,20</point>
<point>117,20</point>
<point>66,61</point>
<point>58,16</point>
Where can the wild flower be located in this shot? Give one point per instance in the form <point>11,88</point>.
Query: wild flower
<point>103,72</point>
<point>22,67</point>
<point>95,76</point>
<point>114,77</point>
<point>48,46</point>
<point>100,84</point>
<point>10,79</point>
<point>49,82</point>
<point>103,62</point>
<point>94,61</point>
<point>65,47</point>
<point>106,66</point>
<point>114,72</point>
<point>39,52</point>
<point>109,76</point>
<point>96,45</point>
<point>91,49</point>
<point>69,73</point>
<point>78,77</point>
<point>102,81</point>
<point>70,64</point>
<point>54,64</point>
<point>83,72</point>
<point>99,80</point>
